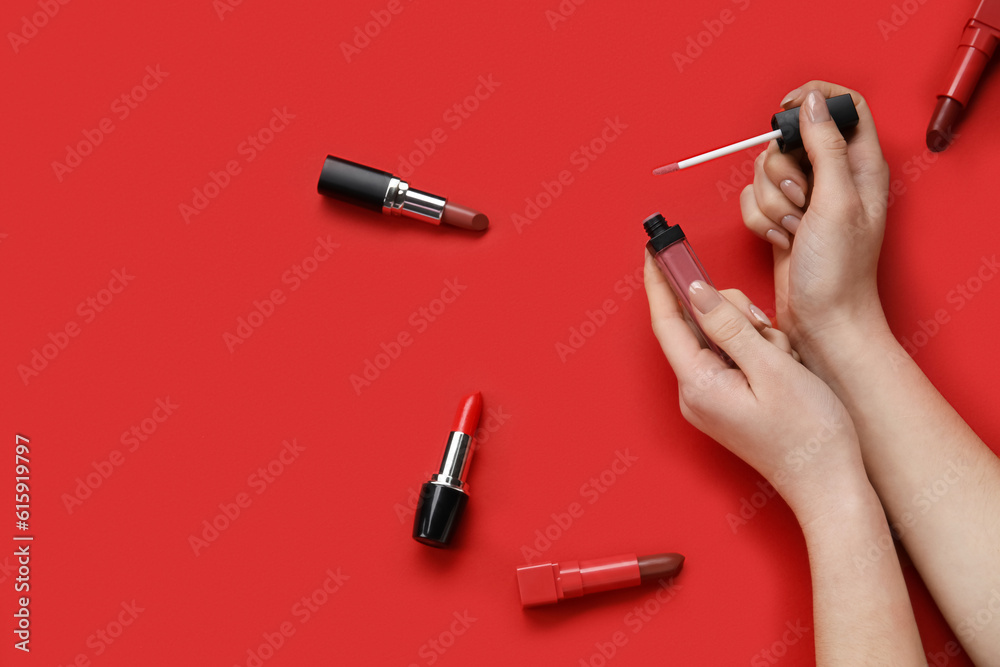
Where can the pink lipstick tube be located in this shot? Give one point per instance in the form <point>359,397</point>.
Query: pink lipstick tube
<point>551,582</point>
<point>680,266</point>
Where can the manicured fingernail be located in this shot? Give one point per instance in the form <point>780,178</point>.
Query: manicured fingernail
<point>816,107</point>
<point>791,223</point>
<point>760,315</point>
<point>778,239</point>
<point>703,296</point>
<point>793,191</point>
<point>789,97</point>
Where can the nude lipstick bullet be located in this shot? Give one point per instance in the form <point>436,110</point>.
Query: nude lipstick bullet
<point>551,582</point>
<point>443,499</point>
<point>381,191</point>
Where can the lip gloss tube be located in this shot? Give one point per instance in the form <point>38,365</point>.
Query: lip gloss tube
<point>551,582</point>
<point>680,266</point>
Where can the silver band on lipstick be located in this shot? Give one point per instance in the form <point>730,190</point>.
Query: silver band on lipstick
<point>401,199</point>
<point>455,464</point>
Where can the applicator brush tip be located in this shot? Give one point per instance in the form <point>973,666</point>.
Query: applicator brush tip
<point>666,169</point>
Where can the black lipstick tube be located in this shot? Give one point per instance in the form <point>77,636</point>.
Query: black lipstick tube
<point>378,190</point>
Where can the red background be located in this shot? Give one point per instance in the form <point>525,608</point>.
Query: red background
<point>342,504</point>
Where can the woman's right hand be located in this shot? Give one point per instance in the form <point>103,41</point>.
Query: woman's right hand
<point>824,210</point>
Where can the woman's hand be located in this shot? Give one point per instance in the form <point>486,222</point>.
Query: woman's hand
<point>771,411</point>
<point>824,210</point>
<point>785,422</point>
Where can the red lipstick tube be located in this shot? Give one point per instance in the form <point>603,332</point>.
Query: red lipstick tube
<point>443,499</point>
<point>979,41</point>
<point>551,582</point>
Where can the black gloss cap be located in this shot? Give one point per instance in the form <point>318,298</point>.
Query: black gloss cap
<point>439,511</point>
<point>842,111</point>
<point>660,233</point>
<point>354,183</point>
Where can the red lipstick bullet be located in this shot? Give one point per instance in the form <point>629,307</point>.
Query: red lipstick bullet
<point>551,582</point>
<point>443,499</point>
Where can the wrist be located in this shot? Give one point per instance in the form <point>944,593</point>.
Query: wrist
<point>823,474</point>
<point>846,341</point>
<point>839,502</point>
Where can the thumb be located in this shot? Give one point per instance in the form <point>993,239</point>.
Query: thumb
<point>730,329</point>
<point>827,151</point>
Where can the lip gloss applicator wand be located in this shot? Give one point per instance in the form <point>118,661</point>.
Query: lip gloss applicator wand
<point>785,130</point>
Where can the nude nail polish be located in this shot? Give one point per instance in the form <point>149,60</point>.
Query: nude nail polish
<point>792,94</point>
<point>778,239</point>
<point>791,223</point>
<point>793,191</point>
<point>703,296</point>
<point>816,107</point>
<point>760,315</point>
